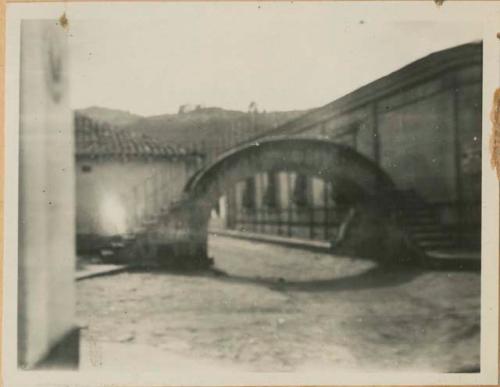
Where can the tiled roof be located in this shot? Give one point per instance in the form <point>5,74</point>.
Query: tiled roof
<point>100,140</point>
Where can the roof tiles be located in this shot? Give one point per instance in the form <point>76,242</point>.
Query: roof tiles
<point>100,140</point>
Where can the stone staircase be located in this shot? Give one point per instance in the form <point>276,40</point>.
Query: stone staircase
<point>439,243</point>
<point>127,248</point>
<point>112,252</point>
<point>146,207</point>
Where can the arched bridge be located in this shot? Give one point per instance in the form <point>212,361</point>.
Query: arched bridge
<point>180,236</point>
<point>311,156</point>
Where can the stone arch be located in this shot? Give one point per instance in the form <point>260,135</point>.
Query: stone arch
<point>183,231</point>
<point>311,156</point>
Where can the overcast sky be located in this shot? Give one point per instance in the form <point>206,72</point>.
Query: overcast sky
<point>280,58</point>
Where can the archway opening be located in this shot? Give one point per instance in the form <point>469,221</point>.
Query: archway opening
<point>280,225</point>
<point>355,180</point>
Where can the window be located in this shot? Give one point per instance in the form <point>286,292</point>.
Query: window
<point>86,168</point>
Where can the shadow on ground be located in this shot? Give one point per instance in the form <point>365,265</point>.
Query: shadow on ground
<point>379,276</point>
<point>376,277</point>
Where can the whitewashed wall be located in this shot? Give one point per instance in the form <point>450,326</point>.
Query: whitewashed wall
<point>105,202</point>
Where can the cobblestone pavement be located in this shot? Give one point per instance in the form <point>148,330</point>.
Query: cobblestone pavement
<point>270,308</point>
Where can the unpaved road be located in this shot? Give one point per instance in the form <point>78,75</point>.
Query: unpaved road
<point>271,308</point>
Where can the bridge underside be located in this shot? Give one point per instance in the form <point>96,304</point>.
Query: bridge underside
<point>179,237</point>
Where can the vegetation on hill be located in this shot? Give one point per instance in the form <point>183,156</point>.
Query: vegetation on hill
<point>198,127</point>
<point>114,117</point>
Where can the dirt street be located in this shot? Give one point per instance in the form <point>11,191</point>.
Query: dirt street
<point>271,308</point>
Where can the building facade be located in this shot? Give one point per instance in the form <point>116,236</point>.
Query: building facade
<point>421,124</point>
<point>122,179</point>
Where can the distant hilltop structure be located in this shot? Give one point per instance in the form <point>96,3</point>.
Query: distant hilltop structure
<point>188,108</point>
<point>252,107</point>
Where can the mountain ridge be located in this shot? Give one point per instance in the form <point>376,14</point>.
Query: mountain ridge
<point>194,127</point>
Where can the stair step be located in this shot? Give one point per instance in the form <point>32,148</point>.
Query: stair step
<point>422,225</point>
<point>422,222</point>
<point>415,211</point>
<point>420,219</point>
<point>436,244</point>
<point>426,228</point>
<point>140,230</point>
<point>432,235</point>
<point>117,245</point>
<point>444,242</point>
<point>411,199</point>
<point>106,253</point>
<point>414,207</point>
<point>454,254</point>
<point>404,191</point>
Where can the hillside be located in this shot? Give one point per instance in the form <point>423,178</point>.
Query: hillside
<point>114,117</point>
<point>210,129</point>
<point>211,126</point>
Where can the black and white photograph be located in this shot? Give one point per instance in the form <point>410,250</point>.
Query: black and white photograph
<point>250,193</point>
